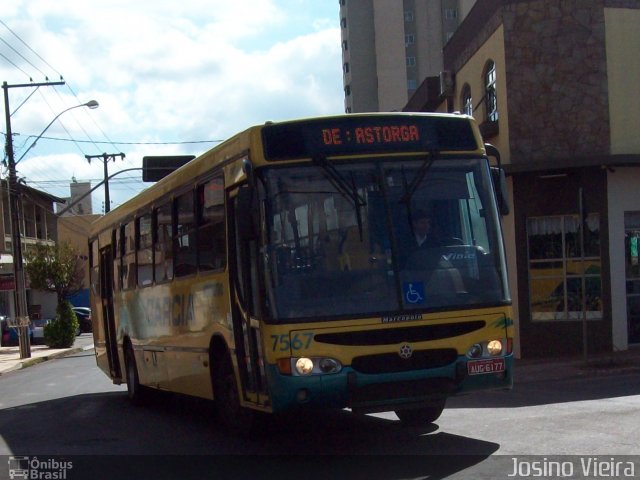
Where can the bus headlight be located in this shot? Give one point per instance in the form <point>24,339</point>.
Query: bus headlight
<point>305,366</point>
<point>475,351</point>
<point>494,347</point>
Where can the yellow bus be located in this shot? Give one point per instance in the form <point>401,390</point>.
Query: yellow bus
<point>275,271</point>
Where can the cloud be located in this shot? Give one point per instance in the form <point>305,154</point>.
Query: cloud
<point>166,71</point>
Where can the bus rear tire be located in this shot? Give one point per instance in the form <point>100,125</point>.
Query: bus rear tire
<point>138,394</point>
<point>230,414</point>
<point>422,415</point>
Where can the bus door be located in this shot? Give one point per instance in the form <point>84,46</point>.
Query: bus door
<point>109,324</point>
<point>244,294</point>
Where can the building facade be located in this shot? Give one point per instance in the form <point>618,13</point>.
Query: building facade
<point>390,46</point>
<point>551,84</point>
<point>38,225</point>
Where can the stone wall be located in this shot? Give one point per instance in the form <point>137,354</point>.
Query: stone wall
<point>557,79</point>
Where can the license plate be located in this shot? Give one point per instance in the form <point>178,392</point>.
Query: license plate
<point>490,365</point>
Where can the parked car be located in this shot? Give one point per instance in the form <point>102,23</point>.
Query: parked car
<point>84,319</point>
<point>9,335</point>
<point>37,330</point>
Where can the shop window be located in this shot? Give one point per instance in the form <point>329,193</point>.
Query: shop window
<point>561,271</point>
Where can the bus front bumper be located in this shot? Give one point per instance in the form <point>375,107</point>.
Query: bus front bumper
<point>367,393</point>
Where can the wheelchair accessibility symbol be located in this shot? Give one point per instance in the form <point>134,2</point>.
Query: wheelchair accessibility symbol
<point>413,292</point>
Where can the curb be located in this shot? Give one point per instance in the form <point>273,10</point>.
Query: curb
<point>29,362</point>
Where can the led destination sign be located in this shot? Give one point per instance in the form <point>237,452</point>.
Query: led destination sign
<point>367,134</point>
<point>372,135</point>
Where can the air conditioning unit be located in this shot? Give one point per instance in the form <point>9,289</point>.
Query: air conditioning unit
<point>446,83</point>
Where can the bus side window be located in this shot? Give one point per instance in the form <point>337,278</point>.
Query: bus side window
<point>185,239</point>
<point>211,225</point>
<point>94,266</point>
<point>117,259</point>
<point>163,244</point>
<point>144,251</point>
<point>129,258</point>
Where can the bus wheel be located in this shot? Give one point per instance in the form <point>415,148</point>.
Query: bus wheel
<point>137,393</point>
<point>230,413</point>
<point>421,416</point>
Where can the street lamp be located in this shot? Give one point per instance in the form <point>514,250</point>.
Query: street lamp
<point>15,207</point>
<point>92,104</point>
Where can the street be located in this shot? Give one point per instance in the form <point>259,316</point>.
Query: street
<point>67,407</point>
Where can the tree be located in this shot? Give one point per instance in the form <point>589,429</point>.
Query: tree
<point>58,269</point>
<point>55,268</point>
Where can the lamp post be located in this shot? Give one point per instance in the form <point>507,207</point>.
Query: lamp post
<point>15,207</point>
<point>90,104</point>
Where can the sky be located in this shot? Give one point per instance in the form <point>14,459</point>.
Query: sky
<point>171,77</point>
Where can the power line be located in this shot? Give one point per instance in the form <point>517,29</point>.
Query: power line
<point>186,142</point>
<point>31,49</point>
<point>22,56</point>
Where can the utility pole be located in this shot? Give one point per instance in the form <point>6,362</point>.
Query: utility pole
<point>15,207</point>
<point>105,160</point>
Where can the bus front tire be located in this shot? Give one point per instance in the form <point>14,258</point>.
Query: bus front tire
<point>138,395</point>
<point>422,415</point>
<point>230,414</point>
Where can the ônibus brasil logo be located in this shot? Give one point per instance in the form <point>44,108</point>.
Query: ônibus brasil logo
<point>27,468</point>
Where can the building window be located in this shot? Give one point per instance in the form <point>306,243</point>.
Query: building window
<point>466,101</point>
<point>345,45</point>
<point>411,61</point>
<point>409,39</point>
<point>345,67</point>
<point>347,90</point>
<point>560,274</point>
<point>343,22</point>
<point>408,15</point>
<point>490,98</point>
<point>412,84</point>
<point>451,13</point>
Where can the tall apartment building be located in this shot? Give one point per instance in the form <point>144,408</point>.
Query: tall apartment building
<point>390,46</point>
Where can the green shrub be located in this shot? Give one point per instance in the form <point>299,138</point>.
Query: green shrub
<point>61,332</point>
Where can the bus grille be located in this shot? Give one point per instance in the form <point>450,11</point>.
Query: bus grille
<point>391,362</point>
<point>391,336</point>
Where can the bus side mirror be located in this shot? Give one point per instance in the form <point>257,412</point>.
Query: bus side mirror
<point>502,193</point>
<point>245,207</point>
<point>499,180</point>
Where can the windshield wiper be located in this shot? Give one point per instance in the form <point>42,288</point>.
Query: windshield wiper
<point>410,189</point>
<point>343,186</point>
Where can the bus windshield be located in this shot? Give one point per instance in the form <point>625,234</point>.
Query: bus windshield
<point>359,246</point>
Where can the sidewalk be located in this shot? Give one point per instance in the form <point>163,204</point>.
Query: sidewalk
<point>559,368</point>
<point>10,356</point>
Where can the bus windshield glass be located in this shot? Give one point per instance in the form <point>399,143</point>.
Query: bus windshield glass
<point>381,238</point>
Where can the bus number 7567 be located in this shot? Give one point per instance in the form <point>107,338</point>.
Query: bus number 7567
<point>298,341</point>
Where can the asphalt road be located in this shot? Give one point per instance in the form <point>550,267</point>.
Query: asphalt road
<point>67,408</point>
